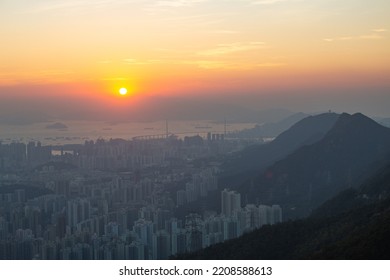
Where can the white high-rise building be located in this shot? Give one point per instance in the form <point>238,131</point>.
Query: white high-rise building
<point>77,210</point>
<point>263,215</point>
<point>145,229</point>
<point>276,214</point>
<point>230,203</point>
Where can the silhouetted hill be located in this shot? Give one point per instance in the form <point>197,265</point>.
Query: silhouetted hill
<point>57,125</point>
<point>304,132</point>
<point>272,129</point>
<point>374,189</point>
<point>314,173</point>
<point>353,225</point>
<point>358,234</point>
<point>384,121</point>
<point>23,118</point>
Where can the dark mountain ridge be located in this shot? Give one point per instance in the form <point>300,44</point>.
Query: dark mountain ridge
<point>272,129</point>
<point>257,157</point>
<point>314,173</point>
<point>355,224</point>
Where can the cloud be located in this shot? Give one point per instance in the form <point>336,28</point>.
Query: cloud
<point>345,38</point>
<point>379,30</point>
<point>115,79</point>
<point>130,60</point>
<point>223,49</point>
<point>133,61</point>
<point>230,65</point>
<point>42,76</point>
<point>104,61</point>
<point>271,2</point>
<point>54,5</point>
<point>217,57</point>
<point>373,36</point>
<point>223,32</point>
<point>178,3</point>
<point>271,64</point>
<point>209,64</point>
<point>267,2</point>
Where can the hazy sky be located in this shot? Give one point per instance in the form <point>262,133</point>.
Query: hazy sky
<point>304,54</point>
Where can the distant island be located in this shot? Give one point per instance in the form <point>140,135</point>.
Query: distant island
<point>56,125</point>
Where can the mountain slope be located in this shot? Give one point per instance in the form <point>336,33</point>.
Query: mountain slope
<point>257,157</point>
<point>353,225</point>
<point>359,234</point>
<point>314,173</point>
<point>272,129</point>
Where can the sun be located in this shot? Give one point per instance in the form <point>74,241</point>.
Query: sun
<point>123,91</point>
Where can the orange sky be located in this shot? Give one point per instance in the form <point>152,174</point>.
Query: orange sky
<point>178,47</point>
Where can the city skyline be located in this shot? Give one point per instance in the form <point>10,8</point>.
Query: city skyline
<point>132,209</point>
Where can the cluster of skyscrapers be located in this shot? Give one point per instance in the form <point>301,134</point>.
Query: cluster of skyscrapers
<point>118,199</point>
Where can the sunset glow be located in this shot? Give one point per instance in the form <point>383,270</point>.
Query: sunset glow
<point>123,91</point>
<point>136,130</point>
<point>194,47</point>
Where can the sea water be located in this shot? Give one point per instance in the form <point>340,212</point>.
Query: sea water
<point>77,132</point>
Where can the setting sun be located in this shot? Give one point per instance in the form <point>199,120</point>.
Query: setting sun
<point>123,91</point>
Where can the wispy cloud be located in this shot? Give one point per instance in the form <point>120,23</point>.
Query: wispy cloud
<point>379,30</point>
<point>130,61</point>
<point>104,61</point>
<point>223,31</point>
<point>210,64</point>
<point>56,5</point>
<point>218,57</point>
<point>115,79</point>
<point>376,35</point>
<point>266,2</point>
<point>206,64</point>
<point>178,3</point>
<point>271,64</point>
<point>133,61</point>
<point>223,49</point>
<point>345,38</point>
<point>36,77</point>
<point>271,2</point>
<point>371,37</point>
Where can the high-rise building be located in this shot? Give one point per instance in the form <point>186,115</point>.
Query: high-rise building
<point>194,229</point>
<point>144,230</point>
<point>181,197</point>
<point>161,245</point>
<point>230,203</point>
<point>276,214</point>
<point>77,211</point>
